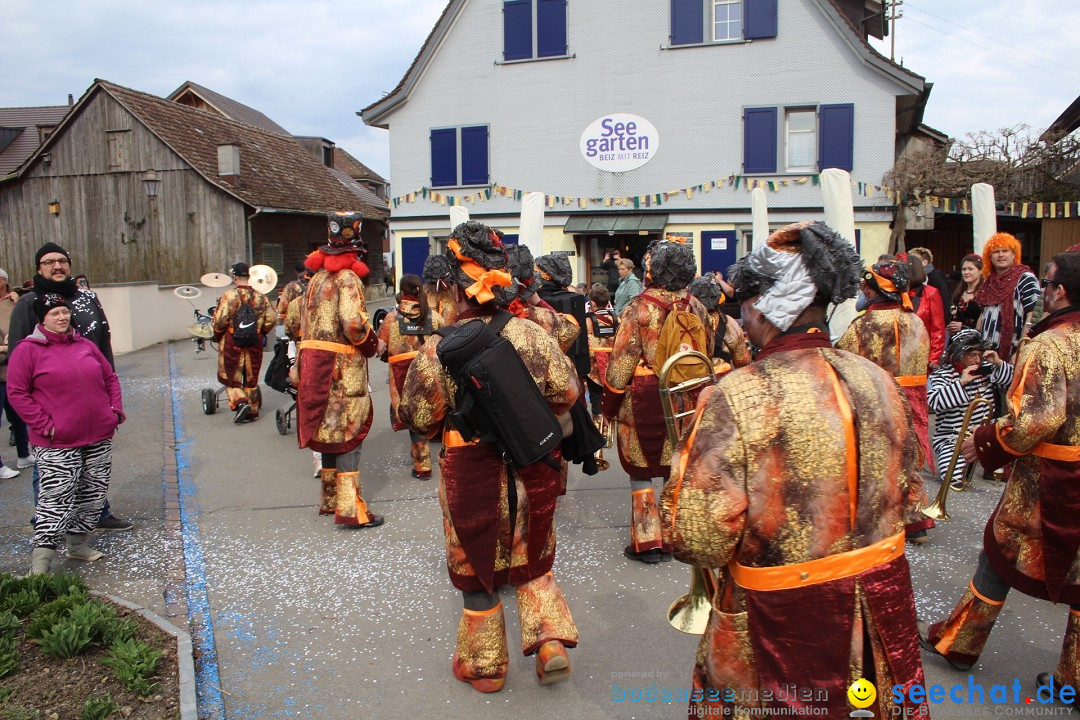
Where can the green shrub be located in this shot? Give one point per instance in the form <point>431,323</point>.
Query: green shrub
<point>8,584</point>
<point>8,623</point>
<point>95,615</point>
<point>98,708</point>
<point>47,616</point>
<point>66,584</point>
<point>118,630</point>
<point>21,602</point>
<point>9,655</point>
<point>15,712</point>
<point>65,639</point>
<point>134,663</point>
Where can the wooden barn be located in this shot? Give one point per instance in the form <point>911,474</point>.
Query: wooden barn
<point>140,188</point>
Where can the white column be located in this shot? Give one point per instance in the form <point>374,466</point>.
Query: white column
<point>983,215</point>
<point>458,215</point>
<point>759,208</point>
<point>840,216</point>
<point>531,232</point>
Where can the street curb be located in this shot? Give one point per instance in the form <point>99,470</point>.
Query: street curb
<point>185,658</point>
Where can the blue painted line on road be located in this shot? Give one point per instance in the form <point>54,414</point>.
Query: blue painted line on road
<point>207,675</point>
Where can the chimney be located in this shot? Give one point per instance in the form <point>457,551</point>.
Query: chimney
<point>228,156</point>
<point>71,99</point>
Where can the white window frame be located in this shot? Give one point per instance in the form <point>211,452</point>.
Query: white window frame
<point>788,111</point>
<point>714,4</point>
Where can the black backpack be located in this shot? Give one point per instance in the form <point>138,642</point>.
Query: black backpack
<point>573,304</point>
<point>277,372</point>
<point>245,326</point>
<point>498,401</point>
<point>599,329</point>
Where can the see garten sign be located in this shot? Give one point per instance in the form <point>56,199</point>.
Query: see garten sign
<point>619,142</point>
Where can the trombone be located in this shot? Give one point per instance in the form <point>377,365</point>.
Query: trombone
<point>936,509</point>
<point>607,429</point>
<point>690,613</point>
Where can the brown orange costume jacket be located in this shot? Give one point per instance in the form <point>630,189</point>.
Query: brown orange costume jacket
<point>239,366</point>
<point>1033,537</point>
<point>484,547</point>
<point>733,346</point>
<point>805,457</point>
<point>896,341</point>
<point>631,384</point>
<point>402,348</point>
<point>333,404</point>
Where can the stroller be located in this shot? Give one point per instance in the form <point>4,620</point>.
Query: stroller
<point>277,377</point>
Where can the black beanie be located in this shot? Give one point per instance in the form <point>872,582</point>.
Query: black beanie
<point>50,248</point>
<point>44,303</point>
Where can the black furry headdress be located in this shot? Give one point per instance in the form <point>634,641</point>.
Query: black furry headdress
<point>670,265</point>
<point>556,267</point>
<point>707,291</point>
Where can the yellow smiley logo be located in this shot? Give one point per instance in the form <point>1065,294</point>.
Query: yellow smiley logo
<point>862,693</point>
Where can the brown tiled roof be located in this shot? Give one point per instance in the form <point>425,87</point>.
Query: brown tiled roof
<point>230,108</point>
<point>354,168</point>
<point>361,191</point>
<point>27,120</point>
<point>275,172</point>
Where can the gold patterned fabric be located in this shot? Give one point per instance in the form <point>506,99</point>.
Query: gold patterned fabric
<point>544,614</point>
<point>599,349</point>
<point>962,637</point>
<point>768,476</point>
<point>398,343</point>
<point>333,405</point>
<point>238,367</point>
<point>482,546</point>
<point>350,508</point>
<point>873,335</point>
<point>633,351</point>
<point>328,494</point>
<point>734,343</point>
<point>290,292</point>
<point>481,653</point>
<point>645,521</point>
<point>442,302</point>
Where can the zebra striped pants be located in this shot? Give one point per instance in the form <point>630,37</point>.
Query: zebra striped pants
<point>74,482</point>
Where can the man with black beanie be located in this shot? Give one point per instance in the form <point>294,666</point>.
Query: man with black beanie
<point>87,317</point>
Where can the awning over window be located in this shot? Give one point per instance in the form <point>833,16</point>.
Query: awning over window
<point>614,223</point>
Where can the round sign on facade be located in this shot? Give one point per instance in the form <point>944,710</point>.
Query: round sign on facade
<point>619,142</point>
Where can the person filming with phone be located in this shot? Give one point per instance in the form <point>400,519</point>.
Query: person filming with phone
<point>970,370</point>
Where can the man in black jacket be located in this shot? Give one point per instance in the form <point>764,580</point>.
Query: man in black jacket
<point>608,264</point>
<point>936,279</point>
<point>87,317</point>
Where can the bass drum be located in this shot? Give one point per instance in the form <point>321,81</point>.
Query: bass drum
<point>378,317</point>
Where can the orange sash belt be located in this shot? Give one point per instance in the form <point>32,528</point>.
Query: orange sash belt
<point>401,357</point>
<point>911,380</point>
<point>826,569</point>
<point>452,439</point>
<point>643,371</point>
<point>325,345</point>
<point>1068,453</point>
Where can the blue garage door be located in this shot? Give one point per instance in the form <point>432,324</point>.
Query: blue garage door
<point>717,250</point>
<point>414,251</point>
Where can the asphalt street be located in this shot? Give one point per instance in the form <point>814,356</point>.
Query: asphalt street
<point>295,617</point>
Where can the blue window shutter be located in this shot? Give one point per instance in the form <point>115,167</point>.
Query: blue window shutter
<point>550,28</point>
<point>836,142</point>
<point>510,239</point>
<point>759,140</point>
<point>687,22</point>
<point>759,19</point>
<point>517,29</point>
<point>474,155</point>
<point>444,157</point>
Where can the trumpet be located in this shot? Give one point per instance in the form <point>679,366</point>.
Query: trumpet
<point>607,429</point>
<point>690,613</point>
<point>936,509</point>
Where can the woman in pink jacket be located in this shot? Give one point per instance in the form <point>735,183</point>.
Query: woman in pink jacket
<point>69,396</point>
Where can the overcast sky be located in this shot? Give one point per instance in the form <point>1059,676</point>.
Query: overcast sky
<point>311,65</point>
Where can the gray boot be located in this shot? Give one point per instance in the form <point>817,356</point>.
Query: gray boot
<point>40,560</point>
<point>78,549</point>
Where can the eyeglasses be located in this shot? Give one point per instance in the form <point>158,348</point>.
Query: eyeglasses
<point>1047,281</point>
<point>57,261</point>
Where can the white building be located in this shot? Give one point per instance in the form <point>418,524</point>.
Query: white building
<point>508,94</point>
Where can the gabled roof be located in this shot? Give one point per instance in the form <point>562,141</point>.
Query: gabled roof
<point>24,137</point>
<point>226,106</point>
<point>354,186</point>
<point>354,168</point>
<point>375,113</point>
<point>275,172</point>
<point>1065,124</point>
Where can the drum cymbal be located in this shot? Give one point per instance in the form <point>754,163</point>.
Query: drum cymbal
<point>215,280</point>
<point>201,330</point>
<point>187,292</point>
<point>263,278</point>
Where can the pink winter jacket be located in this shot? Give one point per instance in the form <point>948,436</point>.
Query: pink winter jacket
<point>64,389</point>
